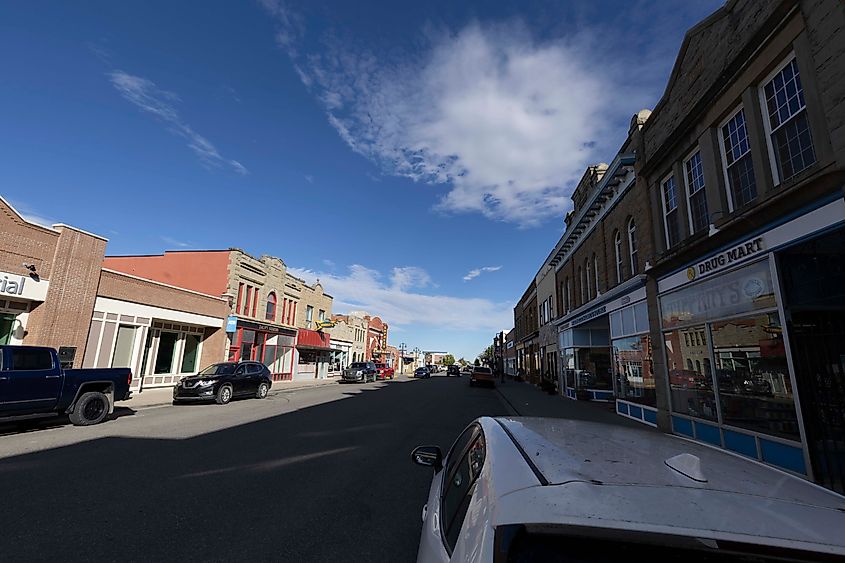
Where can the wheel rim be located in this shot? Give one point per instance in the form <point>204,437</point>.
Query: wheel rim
<point>94,409</point>
<point>262,391</point>
<point>226,394</point>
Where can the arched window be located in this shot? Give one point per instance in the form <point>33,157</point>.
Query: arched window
<point>596,273</point>
<point>617,251</point>
<point>588,278</point>
<point>271,307</point>
<point>568,295</point>
<point>632,245</point>
<point>583,286</point>
<point>689,364</point>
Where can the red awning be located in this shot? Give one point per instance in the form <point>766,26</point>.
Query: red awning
<point>313,339</point>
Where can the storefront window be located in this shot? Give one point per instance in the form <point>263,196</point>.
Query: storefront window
<point>166,349</point>
<point>189,357</point>
<point>633,370</point>
<point>741,291</point>
<point>755,391</point>
<point>247,342</point>
<point>122,356</point>
<point>691,389</point>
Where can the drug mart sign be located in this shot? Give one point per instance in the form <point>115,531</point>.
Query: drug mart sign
<point>726,258</point>
<point>23,286</point>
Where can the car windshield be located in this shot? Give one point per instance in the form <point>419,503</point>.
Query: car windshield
<point>358,365</point>
<point>483,370</point>
<point>227,368</point>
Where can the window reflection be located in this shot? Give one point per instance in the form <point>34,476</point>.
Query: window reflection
<point>753,378</point>
<point>633,369</point>
<point>690,383</point>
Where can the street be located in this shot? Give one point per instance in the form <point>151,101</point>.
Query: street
<point>321,474</point>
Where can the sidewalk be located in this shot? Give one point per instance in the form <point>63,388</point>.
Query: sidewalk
<point>527,400</point>
<point>164,395</point>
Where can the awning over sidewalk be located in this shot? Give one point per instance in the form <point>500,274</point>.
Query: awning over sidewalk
<point>313,340</point>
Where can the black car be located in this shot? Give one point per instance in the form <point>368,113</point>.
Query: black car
<point>453,370</point>
<point>224,382</point>
<point>422,372</point>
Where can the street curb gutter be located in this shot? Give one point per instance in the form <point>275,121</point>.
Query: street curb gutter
<point>508,405</point>
<point>271,393</point>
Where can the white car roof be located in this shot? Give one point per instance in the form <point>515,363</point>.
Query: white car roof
<point>608,476</point>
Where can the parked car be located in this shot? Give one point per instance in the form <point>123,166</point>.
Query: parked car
<point>453,370</point>
<point>384,371</point>
<point>223,382</point>
<point>361,372</point>
<point>536,489</point>
<point>466,370</point>
<point>422,372</point>
<point>481,374</point>
<point>32,382</point>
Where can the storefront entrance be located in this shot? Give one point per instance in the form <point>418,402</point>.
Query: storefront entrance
<point>813,283</point>
<point>7,326</point>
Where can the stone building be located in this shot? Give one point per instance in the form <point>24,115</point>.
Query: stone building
<point>744,163</point>
<point>527,331</point>
<point>352,328</point>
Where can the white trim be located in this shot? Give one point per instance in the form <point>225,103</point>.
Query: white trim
<point>617,255</point>
<point>119,307</point>
<point>631,260</point>
<point>217,297</point>
<point>56,226</point>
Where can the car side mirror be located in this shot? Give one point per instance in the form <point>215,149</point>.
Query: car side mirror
<point>428,456</point>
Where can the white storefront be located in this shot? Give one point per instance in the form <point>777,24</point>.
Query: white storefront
<point>160,345</point>
<point>19,294</point>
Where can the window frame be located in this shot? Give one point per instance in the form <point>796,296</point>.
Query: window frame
<point>587,279</point>
<point>767,126</point>
<point>271,300</point>
<point>617,253</point>
<point>663,182</point>
<point>724,154</point>
<point>596,273</point>
<point>633,248</point>
<point>684,163</point>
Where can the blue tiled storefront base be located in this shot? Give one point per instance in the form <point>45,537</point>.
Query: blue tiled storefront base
<point>640,413</point>
<point>594,394</point>
<point>774,453</point>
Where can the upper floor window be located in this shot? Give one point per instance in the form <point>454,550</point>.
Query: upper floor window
<point>739,168</point>
<point>321,315</point>
<point>617,253</point>
<point>588,278</point>
<point>270,314</point>
<point>567,295</point>
<point>699,218</point>
<point>670,212</point>
<point>788,127</point>
<point>632,246</point>
<point>309,313</point>
<point>596,273</point>
<point>247,299</point>
<point>583,283</point>
<point>240,298</point>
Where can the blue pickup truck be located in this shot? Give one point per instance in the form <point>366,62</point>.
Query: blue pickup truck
<point>32,382</point>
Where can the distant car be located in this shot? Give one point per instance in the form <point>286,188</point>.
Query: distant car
<point>551,489</point>
<point>453,370</point>
<point>361,372</point>
<point>422,372</point>
<point>223,382</point>
<point>481,374</point>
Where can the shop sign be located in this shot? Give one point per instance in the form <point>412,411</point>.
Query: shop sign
<point>724,259</point>
<point>231,323</point>
<point>26,287</point>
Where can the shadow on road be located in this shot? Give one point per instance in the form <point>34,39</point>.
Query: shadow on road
<point>330,482</point>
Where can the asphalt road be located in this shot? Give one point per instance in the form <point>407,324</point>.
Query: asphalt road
<point>321,474</point>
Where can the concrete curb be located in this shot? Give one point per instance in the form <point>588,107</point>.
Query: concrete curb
<point>276,391</point>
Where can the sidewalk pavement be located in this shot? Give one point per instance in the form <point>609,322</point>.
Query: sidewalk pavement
<point>164,395</point>
<point>527,400</point>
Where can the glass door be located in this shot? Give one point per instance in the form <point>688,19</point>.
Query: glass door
<point>7,326</point>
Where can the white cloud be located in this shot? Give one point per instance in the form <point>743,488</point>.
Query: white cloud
<point>508,123</point>
<point>32,214</point>
<point>472,274</point>
<point>160,103</point>
<point>178,243</point>
<point>396,302</point>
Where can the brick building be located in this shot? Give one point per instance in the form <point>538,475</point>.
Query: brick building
<point>376,344</point>
<point>56,293</point>
<point>527,331</point>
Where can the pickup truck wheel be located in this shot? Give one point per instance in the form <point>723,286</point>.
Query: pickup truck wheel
<point>91,408</point>
<point>262,391</point>
<point>224,395</point>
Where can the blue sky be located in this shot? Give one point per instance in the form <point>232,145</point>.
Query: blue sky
<point>416,157</point>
